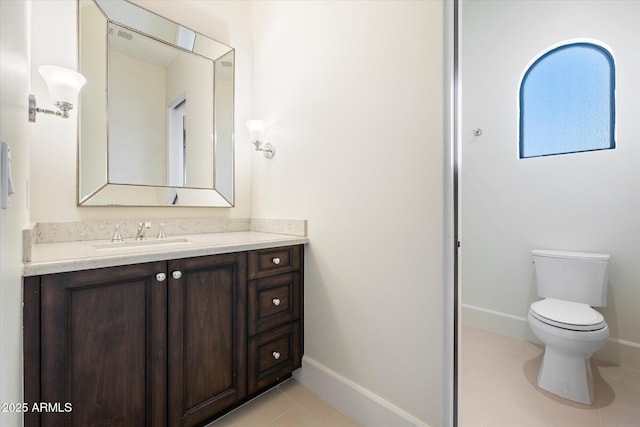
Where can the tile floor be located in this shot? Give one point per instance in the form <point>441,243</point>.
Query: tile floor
<point>288,405</point>
<point>498,388</point>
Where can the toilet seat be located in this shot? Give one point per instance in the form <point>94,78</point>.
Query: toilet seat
<point>567,315</point>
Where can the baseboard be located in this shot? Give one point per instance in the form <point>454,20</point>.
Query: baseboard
<point>616,351</point>
<point>355,401</point>
<point>496,321</point>
<point>620,352</point>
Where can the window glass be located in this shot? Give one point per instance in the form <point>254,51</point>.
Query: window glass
<point>567,102</point>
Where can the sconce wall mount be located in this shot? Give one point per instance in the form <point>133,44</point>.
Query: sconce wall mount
<point>64,86</point>
<point>63,109</point>
<point>268,149</point>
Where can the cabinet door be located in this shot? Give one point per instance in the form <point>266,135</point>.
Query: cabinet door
<point>207,336</point>
<point>103,347</point>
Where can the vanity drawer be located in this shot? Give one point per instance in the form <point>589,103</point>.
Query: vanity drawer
<point>273,301</point>
<point>273,355</point>
<point>266,262</point>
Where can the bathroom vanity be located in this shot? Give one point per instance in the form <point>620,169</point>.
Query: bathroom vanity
<point>172,339</point>
<point>160,332</point>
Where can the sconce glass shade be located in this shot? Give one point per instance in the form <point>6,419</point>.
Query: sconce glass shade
<point>257,130</point>
<point>63,84</point>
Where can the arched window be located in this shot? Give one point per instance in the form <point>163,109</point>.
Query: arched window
<point>567,101</point>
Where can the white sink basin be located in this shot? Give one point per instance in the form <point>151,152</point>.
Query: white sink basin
<point>140,243</point>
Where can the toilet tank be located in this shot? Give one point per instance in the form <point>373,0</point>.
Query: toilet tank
<point>572,276</point>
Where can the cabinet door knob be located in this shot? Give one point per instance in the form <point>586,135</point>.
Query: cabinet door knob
<point>276,260</point>
<point>176,274</point>
<point>276,301</point>
<point>276,355</point>
<point>160,277</point>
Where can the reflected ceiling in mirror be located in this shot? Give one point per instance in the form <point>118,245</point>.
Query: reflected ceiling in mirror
<point>164,137</point>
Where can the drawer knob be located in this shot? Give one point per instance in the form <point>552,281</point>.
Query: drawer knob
<point>276,301</point>
<point>176,274</point>
<point>276,355</point>
<point>276,260</point>
<point>160,277</point>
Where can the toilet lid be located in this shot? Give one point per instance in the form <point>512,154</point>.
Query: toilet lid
<point>567,315</point>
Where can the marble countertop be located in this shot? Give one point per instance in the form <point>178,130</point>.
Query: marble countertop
<point>48,258</point>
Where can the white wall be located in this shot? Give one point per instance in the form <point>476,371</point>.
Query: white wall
<point>191,76</point>
<point>14,130</point>
<point>54,159</point>
<point>138,117</point>
<point>352,94</point>
<point>585,201</point>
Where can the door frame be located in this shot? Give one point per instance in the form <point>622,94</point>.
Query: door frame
<point>451,243</point>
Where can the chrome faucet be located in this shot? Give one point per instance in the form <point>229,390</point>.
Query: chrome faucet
<point>142,227</point>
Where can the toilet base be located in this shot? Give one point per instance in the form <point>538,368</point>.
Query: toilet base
<point>567,375</point>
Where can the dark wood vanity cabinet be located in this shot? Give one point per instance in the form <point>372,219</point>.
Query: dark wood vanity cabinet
<point>171,343</point>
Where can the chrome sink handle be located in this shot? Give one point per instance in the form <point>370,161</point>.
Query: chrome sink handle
<point>117,237</point>
<point>161,234</point>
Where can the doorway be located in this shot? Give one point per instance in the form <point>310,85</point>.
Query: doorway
<point>509,205</point>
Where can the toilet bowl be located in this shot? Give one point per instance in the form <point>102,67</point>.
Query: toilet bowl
<point>566,368</point>
<point>570,283</point>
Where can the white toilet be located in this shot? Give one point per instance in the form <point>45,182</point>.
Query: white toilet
<point>570,283</point>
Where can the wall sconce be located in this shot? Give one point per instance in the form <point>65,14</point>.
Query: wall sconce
<point>257,130</point>
<point>64,86</point>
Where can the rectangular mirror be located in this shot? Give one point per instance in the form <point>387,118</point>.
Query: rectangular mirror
<point>156,114</point>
